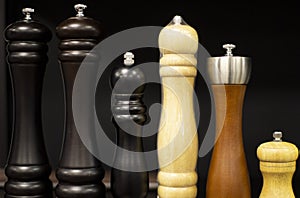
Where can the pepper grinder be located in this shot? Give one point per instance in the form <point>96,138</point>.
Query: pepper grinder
<point>129,116</point>
<point>228,174</point>
<point>177,137</point>
<point>277,164</point>
<point>28,169</point>
<point>79,173</point>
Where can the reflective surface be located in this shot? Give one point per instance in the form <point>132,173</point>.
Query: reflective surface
<point>229,70</point>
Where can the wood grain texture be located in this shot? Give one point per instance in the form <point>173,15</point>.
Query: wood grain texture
<point>228,173</point>
<point>277,164</point>
<point>177,138</point>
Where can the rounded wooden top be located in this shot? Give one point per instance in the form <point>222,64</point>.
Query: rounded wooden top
<point>178,38</point>
<point>126,79</point>
<point>27,30</point>
<point>79,27</point>
<point>277,151</point>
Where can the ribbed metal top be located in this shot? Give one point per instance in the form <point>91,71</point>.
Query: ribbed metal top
<point>229,69</point>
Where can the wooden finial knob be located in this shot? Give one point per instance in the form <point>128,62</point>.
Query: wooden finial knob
<point>178,38</point>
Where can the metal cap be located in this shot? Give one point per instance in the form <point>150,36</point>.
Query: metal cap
<point>177,20</point>
<point>128,58</point>
<point>229,48</point>
<point>27,12</point>
<point>277,135</point>
<point>79,8</point>
<point>229,69</point>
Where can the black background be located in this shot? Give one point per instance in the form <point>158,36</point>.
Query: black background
<point>269,34</point>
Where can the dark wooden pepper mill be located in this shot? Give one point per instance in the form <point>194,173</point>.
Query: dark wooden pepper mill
<point>128,178</point>
<point>228,174</point>
<point>79,172</point>
<point>28,169</point>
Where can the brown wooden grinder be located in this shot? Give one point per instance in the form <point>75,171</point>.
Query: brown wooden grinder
<point>79,173</point>
<point>277,164</point>
<point>177,137</point>
<point>228,173</point>
<point>27,168</point>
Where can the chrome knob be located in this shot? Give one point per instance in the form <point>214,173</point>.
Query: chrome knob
<point>177,19</point>
<point>229,48</point>
<point>27,12</point>
<point>128,58</point>
<point>79,8</point>
<point>277,135</point>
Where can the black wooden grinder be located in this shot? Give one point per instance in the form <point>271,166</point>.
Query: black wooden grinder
<point>79,172</point>
<point>27,169</point>
<point>129,177</point>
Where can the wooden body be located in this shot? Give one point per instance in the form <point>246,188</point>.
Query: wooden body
<point>28,169</point>
<point>277,164</point>
<point>228,173</point>
<point>177,137</point>
<point>79,173</point>
<point>126,183</point>
<point>277,179</point>
<point>5,117</point>
<point>128,108</point>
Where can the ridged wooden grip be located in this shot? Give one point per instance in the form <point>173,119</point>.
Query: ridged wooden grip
<point>177,138</point>
<point>228,173</point>
<point>27,169</point>
<point>277,180</point>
